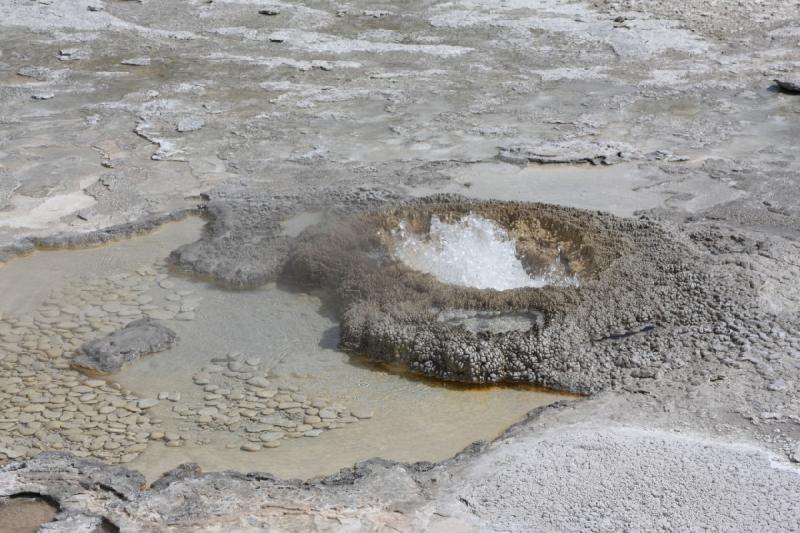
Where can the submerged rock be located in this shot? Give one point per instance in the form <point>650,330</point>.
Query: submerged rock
<point>110,353</point>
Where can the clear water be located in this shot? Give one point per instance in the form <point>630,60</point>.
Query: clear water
<point>472,252</point>
<point>25,515</point>
<point>292,335</point>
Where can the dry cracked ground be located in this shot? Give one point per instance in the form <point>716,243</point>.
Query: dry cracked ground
<point>118,115</point>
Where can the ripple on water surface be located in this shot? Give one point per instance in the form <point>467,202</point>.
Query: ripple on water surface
<point>253,370</point>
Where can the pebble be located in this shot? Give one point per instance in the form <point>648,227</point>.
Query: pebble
<point>270,436</point>
<point>201,378</point>
<point>13,453</point>
<point>147,403</point>
<point>160,314</point>
<point>95,312</point>
<point>259,381</point>
<point>27,431</point>
<point>250,447</point>
<point>362,413</point>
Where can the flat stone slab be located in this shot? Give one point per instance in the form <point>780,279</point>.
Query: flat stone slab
<point>572,151</point>
<point>110,353</point>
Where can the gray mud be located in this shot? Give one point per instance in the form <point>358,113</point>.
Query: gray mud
<point>672,123</point>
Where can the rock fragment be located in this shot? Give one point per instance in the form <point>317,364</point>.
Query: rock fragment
<point>136,62</point>
<point>110,353</point>
<point>789,85</point>
<point>566,152</point>
<point>189,124</point>
<point>362,413</point>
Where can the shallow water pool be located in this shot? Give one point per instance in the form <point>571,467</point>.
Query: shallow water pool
<point>255,383</point>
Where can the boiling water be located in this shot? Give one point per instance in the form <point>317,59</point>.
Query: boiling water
<point>472,252</point>
<point>285,336</point>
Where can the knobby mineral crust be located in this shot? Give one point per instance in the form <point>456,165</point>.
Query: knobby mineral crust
<point>638,283</point>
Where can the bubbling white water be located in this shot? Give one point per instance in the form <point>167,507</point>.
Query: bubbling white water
<point>472,252</point>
